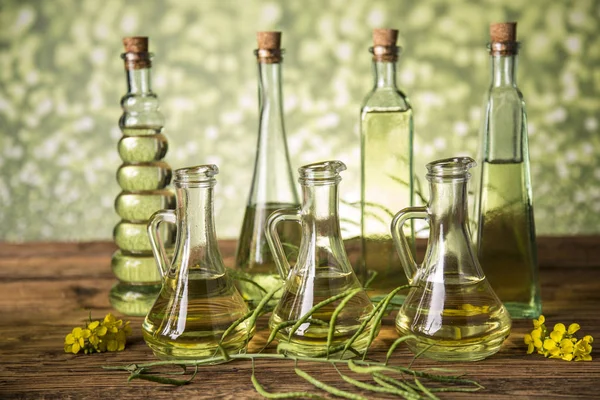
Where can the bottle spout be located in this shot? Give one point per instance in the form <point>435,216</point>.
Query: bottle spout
<point>200,174</point>
<point>450,168</point>
<point>324,172</point>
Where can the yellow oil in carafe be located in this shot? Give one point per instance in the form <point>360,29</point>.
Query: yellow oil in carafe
<point>209,304</point>
<point>462,321</point>
<point>310,339</point>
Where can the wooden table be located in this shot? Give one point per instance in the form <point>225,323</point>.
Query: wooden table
<point>46,289</point>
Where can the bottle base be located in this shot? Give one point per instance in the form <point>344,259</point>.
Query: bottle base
<point>518,310</point>
<point>252,294</point>
<point>397,300</point>
<point>133,300</point>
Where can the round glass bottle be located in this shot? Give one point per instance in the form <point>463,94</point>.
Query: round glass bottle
<point>143,178</point>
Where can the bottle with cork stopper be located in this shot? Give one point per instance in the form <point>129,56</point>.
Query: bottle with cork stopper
<point>143,177</point>
<point>386,131</point>
<point>503,225</point>
<point>273,184</point>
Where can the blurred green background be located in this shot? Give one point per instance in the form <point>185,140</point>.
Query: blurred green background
<point>61,79</point>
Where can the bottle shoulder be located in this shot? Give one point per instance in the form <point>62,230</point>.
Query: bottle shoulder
<point>386,98</point>
<point>507,92</point>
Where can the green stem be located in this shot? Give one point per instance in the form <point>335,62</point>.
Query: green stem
<point>329,389</point>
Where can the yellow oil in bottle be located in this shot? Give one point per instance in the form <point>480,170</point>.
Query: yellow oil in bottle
<point>462,321</point>
<point>209,304</point>
<point>254,256</point>
<point>387,188</point>
<point>506,238</point>
<point>302,293</point>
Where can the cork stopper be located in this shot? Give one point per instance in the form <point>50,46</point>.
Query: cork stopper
<point>136,44</point>
<point>384,45</point>
<point>503,32</point>
<point>136,54</point>
<point>385,37</point>
<point>503,39</point>
<point>269,40</point>
<point>269,47</point>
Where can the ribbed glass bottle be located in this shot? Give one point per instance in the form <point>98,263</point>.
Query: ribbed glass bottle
<point>272,183</point>
<point>143,177</point>
<point>504,229</point>
<point>386,166</point>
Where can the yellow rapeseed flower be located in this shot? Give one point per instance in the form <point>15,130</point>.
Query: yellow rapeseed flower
<point>109,334</point>
<point>528,339</point>
<point>573,328</point>
<point>560,343</point>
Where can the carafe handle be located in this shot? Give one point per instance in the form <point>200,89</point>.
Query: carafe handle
<point>156,242</point>
<point>273,238</point>
<point>402,246</point>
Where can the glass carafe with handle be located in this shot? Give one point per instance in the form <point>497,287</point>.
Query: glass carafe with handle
<point>451,309</point>
<point>198,301</point>
<point>322,271</point>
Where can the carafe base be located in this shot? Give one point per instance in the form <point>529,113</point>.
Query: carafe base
<point>317,346</point>
<point>453,350</point>
<point>171,350</point>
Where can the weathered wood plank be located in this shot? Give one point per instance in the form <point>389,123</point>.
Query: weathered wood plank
<point>44,295</point>
<point>568,251</point>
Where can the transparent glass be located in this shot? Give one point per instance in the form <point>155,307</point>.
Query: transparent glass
<point>504,228</point>
<point>451,309</point>
<point>272,188</point>
<point>143,177</point>
<point>386,177</point>
<point>198,300</point>
<point>322,269</point>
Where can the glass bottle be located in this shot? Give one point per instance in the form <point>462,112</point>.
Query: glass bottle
<point>386,165</point>
<point>451,306</point>
<point>143,177</point>
<point>198,300</point>
<point>272,183</point>
<point>504,229</point>
<point>322,269</point>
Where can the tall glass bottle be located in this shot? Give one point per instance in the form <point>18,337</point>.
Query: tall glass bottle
<point>504,228</point>
<point>143,177</point>
<point>386,165</point>
<point>272,183</point>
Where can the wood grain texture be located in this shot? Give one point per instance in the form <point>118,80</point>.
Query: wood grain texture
<point>47,288</point>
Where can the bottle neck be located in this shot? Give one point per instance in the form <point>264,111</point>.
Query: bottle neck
<point>321,202</point>
<point>448,207</point>
<point>504,68</point>
<point>385,74</point>
<point>272,179</point>
<point>321,243</point>
<point>138,81</point>
<point>196,230</point>
<point>270,99</point>
<point>505,128</point>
